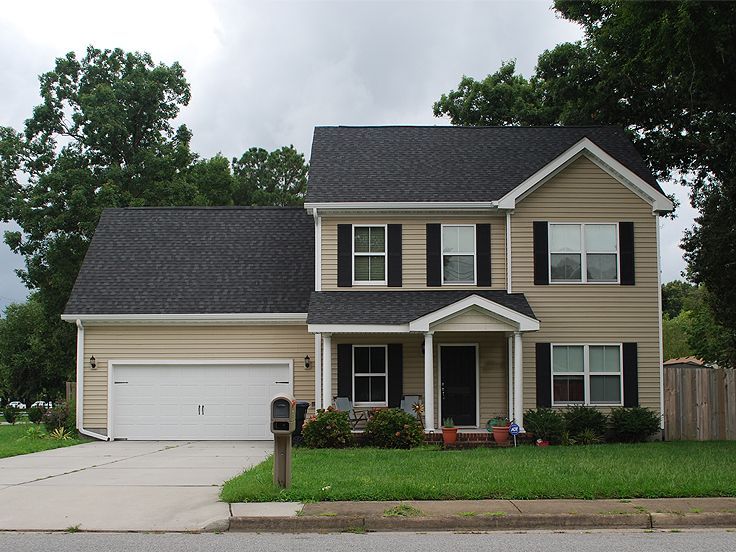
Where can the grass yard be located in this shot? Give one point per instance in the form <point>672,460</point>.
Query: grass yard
<point>651,470</point>
<point>15,441</point>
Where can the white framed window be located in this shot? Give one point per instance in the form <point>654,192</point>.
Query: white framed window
<point>370,375</point>
<point>583,253</point>
<point>587,374</point>
<point>369,254</point>
<point>458,254</point>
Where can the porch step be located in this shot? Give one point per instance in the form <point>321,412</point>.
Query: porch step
<point>467,440</point>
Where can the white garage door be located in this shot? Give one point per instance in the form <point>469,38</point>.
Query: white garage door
<point>195,401</point>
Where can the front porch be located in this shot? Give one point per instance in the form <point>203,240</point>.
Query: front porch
<point>462,360</point>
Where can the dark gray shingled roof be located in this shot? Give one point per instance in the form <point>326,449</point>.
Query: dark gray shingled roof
<point>191,260</point>
<point>396,307</point>
<point>445,163</point>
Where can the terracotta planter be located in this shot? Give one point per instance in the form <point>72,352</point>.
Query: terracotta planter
<point>500,433</point>
<point>542,443</point>
<point>449,435</point>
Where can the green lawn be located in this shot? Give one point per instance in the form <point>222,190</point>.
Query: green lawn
<point>677,469</point>
<point>15,441</point>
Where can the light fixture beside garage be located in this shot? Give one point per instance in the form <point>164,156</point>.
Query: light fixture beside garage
<point>307,362</point>
<point>93,362</point>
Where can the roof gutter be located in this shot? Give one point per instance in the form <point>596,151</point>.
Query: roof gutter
<point>80,387</point>
<point>261,318</point>
<point>402,205</point>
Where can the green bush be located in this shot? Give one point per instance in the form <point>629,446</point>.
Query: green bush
<point>393,428</point>
<point>545,424</point>
<point>584,419</point>
<point>11,414</point>
<point>633,425</point>
<point>61,415</point>
<point>328,429</point>
<point>35,415</point>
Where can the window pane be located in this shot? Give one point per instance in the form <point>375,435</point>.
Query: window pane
<point>362,239</point>
<point>604,359</point>
<point>600,237</point>
<point>564,237</point>
<point>362,268</point>
<point>450,237</point>
<point>377,271</point>
<point>567,358</point>
<point>378,360</point>
<point>605,389</point>
<point>458,268</point>
<point>361,358</point>
<point>378,388</point>
<point>377,239</point>
<point>569,389</point>
<point>602,267</point>
<point>565,267</point>
<point>466,239</point>
<point>362,389</point>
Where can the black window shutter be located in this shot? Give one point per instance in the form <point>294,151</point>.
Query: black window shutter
<point>395,374</point>
<point>626,247</point>
<point>541,253</point>
<point>345,370</point>
<point>434,255</point>
<point>631,375</point>
<point>483,254</point>
<point>544,375</point>
<point>344,255</point>
<point>394,255</point>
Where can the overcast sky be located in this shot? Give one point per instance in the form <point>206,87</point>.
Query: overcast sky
<point>265,73</point>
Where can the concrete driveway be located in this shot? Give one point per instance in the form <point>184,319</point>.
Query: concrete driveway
<point>123,485</point>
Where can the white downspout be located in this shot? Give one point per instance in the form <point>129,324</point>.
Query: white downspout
<point>661,352</point>
<point>508,251</point>
<point>80,386</point>
<point>317,250</point>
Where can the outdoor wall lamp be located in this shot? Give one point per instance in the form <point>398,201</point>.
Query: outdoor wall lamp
<point>93,362</point>
<point>307,362</point>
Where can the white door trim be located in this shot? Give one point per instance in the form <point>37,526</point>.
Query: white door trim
<point>477,379</point>
<point>182,362</point>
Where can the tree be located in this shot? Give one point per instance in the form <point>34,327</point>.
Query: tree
<point>270,178</point>
<point>666,72</point>
<point>676,335</point>
<point>28,357</point>
<point>676,297</point>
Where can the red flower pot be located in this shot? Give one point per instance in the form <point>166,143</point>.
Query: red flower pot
<point>449,435</point>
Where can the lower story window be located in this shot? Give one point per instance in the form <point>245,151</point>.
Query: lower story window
<point>370,375</point>
<point>587,374</point>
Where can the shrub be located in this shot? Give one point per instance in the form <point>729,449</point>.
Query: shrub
<point>11,414</point>
<point>633,425</point>
<point>61,415</point>
<point>35,414</point>
<point>545,424</point>
<point>393,428</point>
<point>583,419</point>
<point>328,429</point>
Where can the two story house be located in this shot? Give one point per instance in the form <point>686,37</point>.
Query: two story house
<point>485,270</point>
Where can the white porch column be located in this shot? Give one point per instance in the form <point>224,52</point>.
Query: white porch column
<point>518,382</point>
<point>317,371</point>
<point>510,349</point>
<point>428,382</point>
<point>326,370</point>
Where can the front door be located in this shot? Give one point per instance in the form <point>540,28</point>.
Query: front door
<point>458,382</point>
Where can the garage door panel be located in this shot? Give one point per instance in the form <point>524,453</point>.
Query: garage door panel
<point>163,401</point>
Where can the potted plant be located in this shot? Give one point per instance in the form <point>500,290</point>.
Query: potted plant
<point>449,431</point>
<point>499,426</point>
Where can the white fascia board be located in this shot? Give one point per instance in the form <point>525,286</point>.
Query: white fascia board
<point>254,318</point>
<point>660,203</point>
<point>357,328</point>
<point>402,205</point>
<point>523,322</point>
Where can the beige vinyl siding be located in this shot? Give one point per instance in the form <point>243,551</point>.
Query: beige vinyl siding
<point>492,360</point>
<point>180,341</point>
<point>590,313</point>
<point>414,249</point>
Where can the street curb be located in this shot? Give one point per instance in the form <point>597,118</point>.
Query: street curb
<point>297,524</point>
<point>673,520</point>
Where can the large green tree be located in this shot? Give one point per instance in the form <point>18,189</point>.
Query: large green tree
<point>665,71</point>
<point>278,177</point>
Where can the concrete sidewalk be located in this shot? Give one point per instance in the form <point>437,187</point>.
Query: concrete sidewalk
<point>484,515</point>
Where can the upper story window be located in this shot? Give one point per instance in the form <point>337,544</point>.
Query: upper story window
<point>369,254</point>
<point>584,253</point>
<point>458,254</point>
<point>587,374</point>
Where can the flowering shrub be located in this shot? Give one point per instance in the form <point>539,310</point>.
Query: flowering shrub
<point>393,428</point>
<point>328,429</point>
<point>61,415</point>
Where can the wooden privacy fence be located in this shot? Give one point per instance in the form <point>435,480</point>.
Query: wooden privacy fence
<point>699,403</point>
<point>71,391</point>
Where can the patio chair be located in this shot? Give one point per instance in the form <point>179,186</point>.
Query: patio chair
<point>344,404</point>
